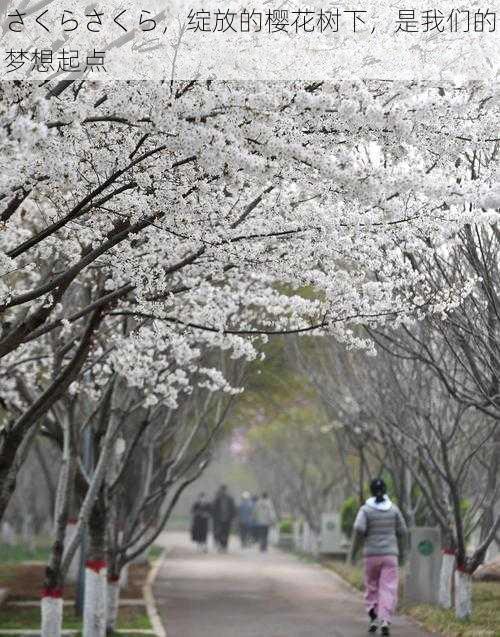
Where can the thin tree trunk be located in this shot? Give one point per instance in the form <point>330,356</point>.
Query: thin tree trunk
<point>95,608</point>
<point>445,596</point>
<point>408,487</point>
<point>361,477</point>
<point>8,470</point>
<point>493,474</point>
<point>52,613</point>
<point>52,598</point>
<point>51,489</point>
<point>32,417</point>
<point>114,579</point>
<point>92,492</point>
<point>113,602</point>
<point>463,594</point>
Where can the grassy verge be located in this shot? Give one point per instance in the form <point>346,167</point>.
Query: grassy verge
<point>485,621</point>
<point>16,617</point>
<point>23,553</point>
<point>154,553</point>
<point>353,574</point>
<point>16,575</point>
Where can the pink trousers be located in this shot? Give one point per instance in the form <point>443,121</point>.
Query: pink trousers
<point>381,585</point>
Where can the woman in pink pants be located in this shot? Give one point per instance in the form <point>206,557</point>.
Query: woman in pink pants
<point>381,528</point>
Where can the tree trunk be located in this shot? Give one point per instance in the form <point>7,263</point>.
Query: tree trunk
<point>71,531</point>
<point>94,610</point>
<point>113,602</point>
<point>493,474</point>
<point>463,594</point>
<point>445,597</point>
<point>52,602</point>
<point>49,482</point>
<point>361,477</point>
<point>124,577</point>
<point>8,474</point>
<point>13,440</point>
<point>114,577</point>
<point>52,612</point>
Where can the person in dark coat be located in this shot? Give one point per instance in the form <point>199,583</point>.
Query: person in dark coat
<point>254,527</point>
<point>246,519</point>
<point>223,512</point>
<point>200,517</point>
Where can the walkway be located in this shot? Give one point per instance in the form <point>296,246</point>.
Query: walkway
<point>246,594</point>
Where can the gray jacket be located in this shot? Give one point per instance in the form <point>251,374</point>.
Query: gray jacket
<point>381,528</point>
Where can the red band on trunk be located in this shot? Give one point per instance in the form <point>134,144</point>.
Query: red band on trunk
<point>113,579</point>
<point>54,593</point>
<point>461,568</point>
<point>95,565</point>
<point>72,520</point>
<point>449,552</point>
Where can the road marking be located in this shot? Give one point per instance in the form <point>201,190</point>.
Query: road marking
<point>149,600</point>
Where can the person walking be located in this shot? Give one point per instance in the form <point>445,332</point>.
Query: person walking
<point>245,515</point>
<point>200,518</point>
<point>265,517</point>
<point>381,529</point>
<point>223,512</point>
<point>254,528</point>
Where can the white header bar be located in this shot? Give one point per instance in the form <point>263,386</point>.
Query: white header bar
<point>257,40</point>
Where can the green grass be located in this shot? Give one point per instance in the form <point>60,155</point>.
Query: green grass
<point>22,553</point>
<point>139,620</point>
<point>353,574</point>
<point>485,621</point>
<point>19,617</point>
<point>7,573</point>
<point>155,552</point>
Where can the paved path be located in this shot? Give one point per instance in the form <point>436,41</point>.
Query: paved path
<point>245,594</point>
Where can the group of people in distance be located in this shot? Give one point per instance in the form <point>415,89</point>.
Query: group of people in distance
<point>254,517</point>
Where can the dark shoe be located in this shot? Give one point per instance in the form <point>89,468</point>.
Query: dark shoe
<point>385,629</point>
<point>372,628</point>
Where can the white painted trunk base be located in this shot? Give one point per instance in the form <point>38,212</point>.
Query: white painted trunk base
<point>446,580</point>
<point>113,601</point>
<point>463,595</point>
<point>95,606</point>
<point>52,616</point>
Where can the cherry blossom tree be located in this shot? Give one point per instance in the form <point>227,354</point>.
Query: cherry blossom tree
<point>114,412</point>
<point>198,214</point>
<point>184,195</point>
<point>173,450</point>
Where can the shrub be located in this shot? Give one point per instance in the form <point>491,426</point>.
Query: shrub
<point>286,526</point>
<point>348,513</point>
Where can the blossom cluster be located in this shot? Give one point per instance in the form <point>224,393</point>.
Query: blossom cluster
<point>213,215</point>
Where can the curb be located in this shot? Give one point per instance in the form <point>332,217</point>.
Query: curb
<point>149,600</point>
<point>28,603</point>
